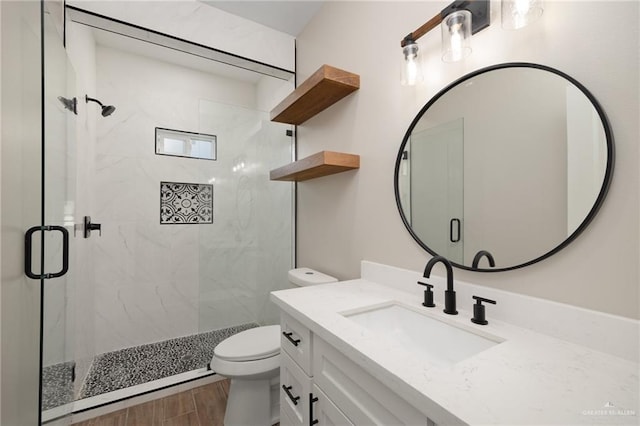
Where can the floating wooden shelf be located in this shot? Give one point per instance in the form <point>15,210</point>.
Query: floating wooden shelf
<point>317,165</point>
<point>324,88</point>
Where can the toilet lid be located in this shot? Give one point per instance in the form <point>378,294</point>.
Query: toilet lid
<point>253,344</point>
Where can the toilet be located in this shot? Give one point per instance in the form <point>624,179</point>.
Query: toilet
<point>251,359</point>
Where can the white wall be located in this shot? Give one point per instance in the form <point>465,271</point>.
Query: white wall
<point>345,218</point>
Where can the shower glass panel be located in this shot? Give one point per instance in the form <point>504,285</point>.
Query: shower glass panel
<point>59,152</point>
<point>248,249</point>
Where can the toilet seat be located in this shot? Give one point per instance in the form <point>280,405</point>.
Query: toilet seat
<point>247,370</point>
<point>251,354</point>
<point>250,345</point>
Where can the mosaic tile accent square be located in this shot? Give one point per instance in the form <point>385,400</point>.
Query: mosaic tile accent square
<point>185,203</point>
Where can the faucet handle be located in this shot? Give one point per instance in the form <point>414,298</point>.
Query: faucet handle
<point>428,295</point>
<point>478,310</point>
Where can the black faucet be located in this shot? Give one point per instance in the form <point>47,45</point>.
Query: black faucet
<point>449,294</point>
<point>479,255</point>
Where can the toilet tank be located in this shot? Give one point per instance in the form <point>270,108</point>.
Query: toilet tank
<point>302,277</point>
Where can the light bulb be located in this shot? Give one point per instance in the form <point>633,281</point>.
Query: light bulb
<point>456,36</point>
<point>411,72</point>
<point>517,14</point>
<point>456,44</point>
<point>521,7</point>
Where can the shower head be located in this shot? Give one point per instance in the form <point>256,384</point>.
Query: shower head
<point>107,110</point>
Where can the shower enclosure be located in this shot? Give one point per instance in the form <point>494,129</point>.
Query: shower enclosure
<point>188,237</point>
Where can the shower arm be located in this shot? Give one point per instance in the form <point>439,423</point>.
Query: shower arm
<point>87,99</point>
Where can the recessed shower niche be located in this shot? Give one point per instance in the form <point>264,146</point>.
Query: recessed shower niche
<point>149,294</point>
<point>185,203</point>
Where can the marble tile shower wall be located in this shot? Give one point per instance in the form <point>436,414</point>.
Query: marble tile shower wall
<point>155,282</point>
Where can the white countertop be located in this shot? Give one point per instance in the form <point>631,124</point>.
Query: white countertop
<point>529,378</point>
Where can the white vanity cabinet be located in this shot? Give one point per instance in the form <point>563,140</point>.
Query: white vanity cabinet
<point>363,399</point>
<point>322,386</point>
<point>325,411</point>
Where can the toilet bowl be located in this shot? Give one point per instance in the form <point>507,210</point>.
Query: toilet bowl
<point>251,359</point>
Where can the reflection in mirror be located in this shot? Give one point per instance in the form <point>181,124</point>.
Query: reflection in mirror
<point>513,160</point>
<point>433,190</point>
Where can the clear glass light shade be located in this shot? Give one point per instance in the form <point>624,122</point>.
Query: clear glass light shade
<point>520,13</point>
<point>456,36</point>
<point>411,68</point>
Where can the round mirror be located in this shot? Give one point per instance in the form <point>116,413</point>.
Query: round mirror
<point>504,167</point>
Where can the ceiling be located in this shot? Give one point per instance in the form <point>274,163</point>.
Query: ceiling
<point>288,16</point>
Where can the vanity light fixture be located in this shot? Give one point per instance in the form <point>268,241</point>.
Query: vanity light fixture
<point>517,14</point>
<point>411,69</point>
<point>459,21</point>
<point>456,36</point>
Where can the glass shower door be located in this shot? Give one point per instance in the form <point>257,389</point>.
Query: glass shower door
<point>59,186</point>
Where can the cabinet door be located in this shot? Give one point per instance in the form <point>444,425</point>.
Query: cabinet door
<point>361,397</point>
<point>325,412</point>
<point>295,387</point>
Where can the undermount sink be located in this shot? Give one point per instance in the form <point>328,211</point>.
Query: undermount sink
<point>439,342</point>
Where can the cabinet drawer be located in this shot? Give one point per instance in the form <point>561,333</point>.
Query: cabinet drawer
<point>296,341</point>
<point>325,411</point>
<point>294,401</point>
<point>362,398</point>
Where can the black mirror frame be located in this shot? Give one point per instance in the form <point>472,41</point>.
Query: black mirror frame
<point>594,209</point>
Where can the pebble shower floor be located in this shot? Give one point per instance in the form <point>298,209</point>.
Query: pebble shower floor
<point>133,366</point>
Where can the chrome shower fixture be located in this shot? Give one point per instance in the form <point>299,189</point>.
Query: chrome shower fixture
<point>107,110</point>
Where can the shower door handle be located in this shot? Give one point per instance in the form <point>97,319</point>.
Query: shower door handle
<point>454,222</point>
<point>28,244</point>
<point>89,226</point>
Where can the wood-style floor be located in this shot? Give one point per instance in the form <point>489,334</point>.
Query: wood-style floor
<point>203,406</point>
